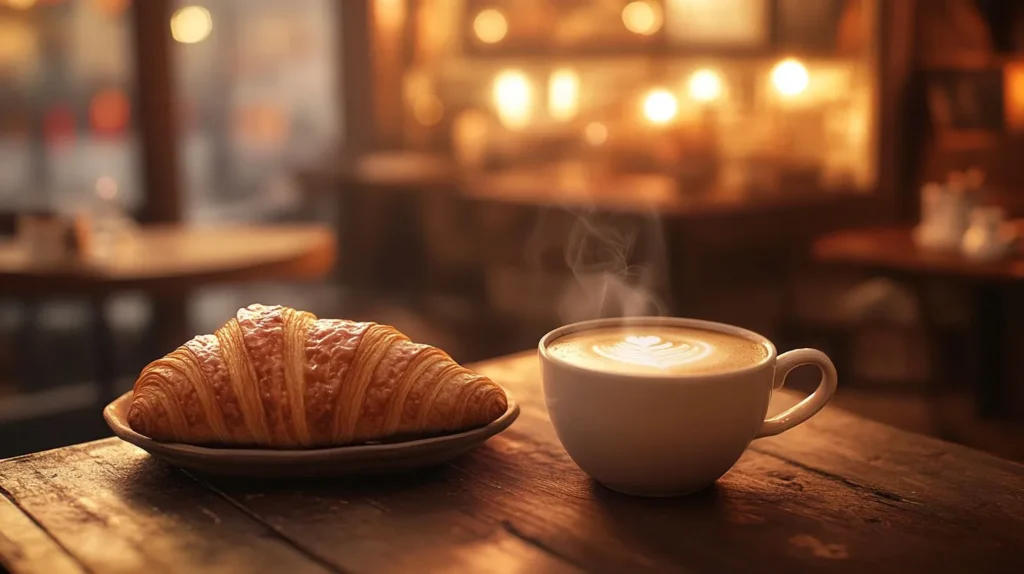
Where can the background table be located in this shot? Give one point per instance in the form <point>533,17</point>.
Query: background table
<point>167,262</point>
<point>892,251</point>
<point>169,259</point>
<point>839,493</point>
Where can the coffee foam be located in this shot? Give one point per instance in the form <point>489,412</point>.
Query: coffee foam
<point>656,350</point>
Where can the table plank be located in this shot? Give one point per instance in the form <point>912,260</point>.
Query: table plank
<point>838,494</point>
<point>955,483</point>
<point>115,509</point>
<point>926,481</point>
<point>427,522</point>
<point>27,548</point>
<point>522,491</point>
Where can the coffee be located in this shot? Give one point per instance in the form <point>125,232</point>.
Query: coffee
<point>663,406</point>
<point>657,350</point>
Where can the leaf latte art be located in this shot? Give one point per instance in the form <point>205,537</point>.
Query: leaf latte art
<point>653,351</point>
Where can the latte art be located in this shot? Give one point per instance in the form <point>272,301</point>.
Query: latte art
<point>653,351</point>
<point>656,350</point>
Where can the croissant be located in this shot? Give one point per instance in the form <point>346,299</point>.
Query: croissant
<point>274,377</point>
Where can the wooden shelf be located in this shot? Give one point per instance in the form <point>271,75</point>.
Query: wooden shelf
<point>969,61</point>
<point>968,139</point>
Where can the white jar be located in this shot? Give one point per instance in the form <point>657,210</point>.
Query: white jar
<point>943,218</point>
<point>989,237</point>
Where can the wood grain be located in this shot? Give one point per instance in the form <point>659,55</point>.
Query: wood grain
<point>117,510</point>
<point>429,522</point>
<point>948,482</point>
<point>784,512</point>
<point>25,547</point>
<point>838,494</point>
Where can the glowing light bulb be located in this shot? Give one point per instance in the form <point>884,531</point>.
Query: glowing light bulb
<point>642,17</point>
<point>660,106</point>
<point>790,77</point>
<point>490,26</point>
<point>595,134</point>
<point>563,94</point>
<point>513,98</point>
<point>191,24</point>
<point>705,85</point>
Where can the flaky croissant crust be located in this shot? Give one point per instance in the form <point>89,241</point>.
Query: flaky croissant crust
<point>275,377</point>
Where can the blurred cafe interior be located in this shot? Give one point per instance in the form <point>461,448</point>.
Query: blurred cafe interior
<point>831,173</point>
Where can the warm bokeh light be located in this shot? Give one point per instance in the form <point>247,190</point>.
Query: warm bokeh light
<point>19,45</point>
<point>191,24</point>
<point>21,4</point>
<point>1013,78</point>
<point>469,138</point>
<point>513,98</point>
<point>705,85</point>
<point>790,77</point>
<point>428,110</point>
<point>595,133</point>
<point>642,17</point>
<point>109,111</point>
<point>660,106</point>
<point>563,94</point>
<point>490,26</point>
<point>389,15</point>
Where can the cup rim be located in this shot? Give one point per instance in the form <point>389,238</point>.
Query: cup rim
<point>654,320</point>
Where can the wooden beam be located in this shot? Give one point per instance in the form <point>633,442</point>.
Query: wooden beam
<point>388,36</point>
<point>355,90</point>
<point>156,112</point>
<point>895,133</point>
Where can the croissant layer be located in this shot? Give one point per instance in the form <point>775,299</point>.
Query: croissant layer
<point>275,377</point>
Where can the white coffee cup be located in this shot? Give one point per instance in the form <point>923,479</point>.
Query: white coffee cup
<point>670,434</point>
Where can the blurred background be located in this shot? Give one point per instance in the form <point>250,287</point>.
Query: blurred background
<point>830,173</point>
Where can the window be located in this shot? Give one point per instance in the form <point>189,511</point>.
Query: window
<point>66,92</point>
<point>258,97</point>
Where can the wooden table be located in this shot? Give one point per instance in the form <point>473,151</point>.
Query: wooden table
<point>167,262</point>
<point>892,251</point>
<point>839,493</point>
<point>171,259</point>
<point>562,185</point>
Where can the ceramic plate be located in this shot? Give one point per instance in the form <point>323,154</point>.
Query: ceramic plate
<point>325,462</point>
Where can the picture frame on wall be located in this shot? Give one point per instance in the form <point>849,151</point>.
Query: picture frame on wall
<point>583,28</point>
<point>722,24</point>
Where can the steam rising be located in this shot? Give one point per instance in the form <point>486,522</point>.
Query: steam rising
<point>617,263</point>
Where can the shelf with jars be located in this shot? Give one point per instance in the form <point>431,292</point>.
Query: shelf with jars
<point>750,95</point>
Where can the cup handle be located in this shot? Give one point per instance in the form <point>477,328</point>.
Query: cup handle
<point>814,402</point>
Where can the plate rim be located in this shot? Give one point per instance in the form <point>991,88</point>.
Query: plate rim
<point>122,430</point>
